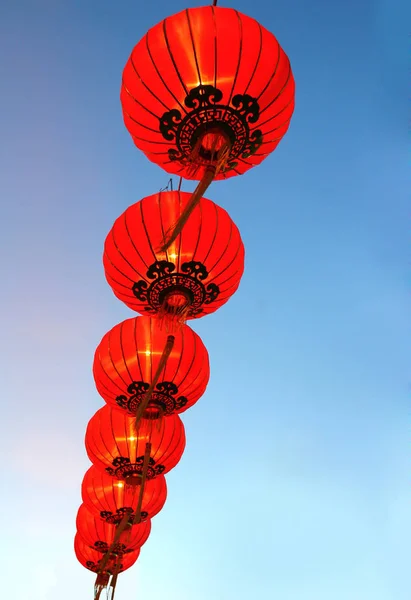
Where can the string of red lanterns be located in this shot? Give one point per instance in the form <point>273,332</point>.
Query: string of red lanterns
<point>206,94</point>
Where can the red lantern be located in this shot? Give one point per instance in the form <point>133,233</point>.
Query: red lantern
<point>114,445</point>
<point>204,79</point>
<point>110,499</point>
<point>91,559</point>
<point>199,272</point>
<point>99,534</point>
<point>128,357</point>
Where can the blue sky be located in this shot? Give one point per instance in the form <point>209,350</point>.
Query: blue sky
<point>296,477</point>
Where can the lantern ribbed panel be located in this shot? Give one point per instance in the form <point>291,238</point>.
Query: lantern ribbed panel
<point>128,357</point>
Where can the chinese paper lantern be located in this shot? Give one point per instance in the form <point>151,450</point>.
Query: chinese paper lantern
<point>199,272</point>
<point>99,534</point>
<point>110,499</point>
<point>115,446</point>
<point>91,559</point>
<point>207,85</point>
<point>128,357</point>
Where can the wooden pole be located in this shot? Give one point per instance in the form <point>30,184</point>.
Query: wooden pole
<point>164,357</point>
<point>137,514</point>
<point>210,173</point>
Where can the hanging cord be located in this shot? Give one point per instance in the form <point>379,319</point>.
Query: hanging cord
<point>161,365</point>
<point>214,2</point>
<point>168,187</point>
<point>179,184</point>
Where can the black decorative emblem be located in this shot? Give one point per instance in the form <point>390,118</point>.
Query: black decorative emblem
<point>117,517</point>
<point>189,282</point>
<point>122,468</point>
<point>93,566</point>
<point>118,549</point>
<point>163,397</point>
<point>207,112</point>
<point>104,577</point>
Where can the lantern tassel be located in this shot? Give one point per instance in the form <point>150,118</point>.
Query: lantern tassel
<point>97,592</point>
<point>161,365</point>
<point>101,584</point>
<point>113,585</point>
<point>113,582</point>
<point>174,316</point>
<point>210,173</point>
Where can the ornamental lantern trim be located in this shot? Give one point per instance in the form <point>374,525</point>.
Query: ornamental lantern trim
<point>123,468</point>
<point>233,121</point>
<point>188,283</point>
<point>163,396</point>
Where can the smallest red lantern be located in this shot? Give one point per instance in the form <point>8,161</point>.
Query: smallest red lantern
<point>99,535</point>
<point>110,499</point>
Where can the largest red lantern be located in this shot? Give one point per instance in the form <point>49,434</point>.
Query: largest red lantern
<point>204,79</point>
<point>198,273</point>
<point>128,357</point>
<point>114,445</point>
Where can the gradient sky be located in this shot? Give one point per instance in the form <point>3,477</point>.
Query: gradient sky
<point>295,484</point>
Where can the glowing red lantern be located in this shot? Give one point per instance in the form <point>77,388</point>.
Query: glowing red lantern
<point>129,355</point>
<point>204,79</point>
<point>114,445</point>
<point>110,499</point>
<point>91,559</point>
<point>99,534</point>
<point>198,273</point>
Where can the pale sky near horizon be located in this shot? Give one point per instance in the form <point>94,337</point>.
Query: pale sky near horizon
<point>295,483</point>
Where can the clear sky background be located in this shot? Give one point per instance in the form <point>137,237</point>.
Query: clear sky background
<point>295,484</point>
